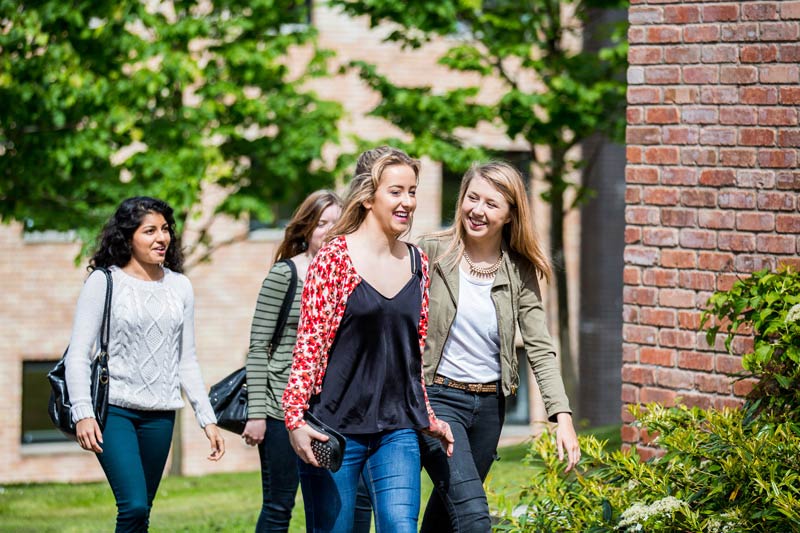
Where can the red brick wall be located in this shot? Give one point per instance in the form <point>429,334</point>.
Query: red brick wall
<point>712,183</point>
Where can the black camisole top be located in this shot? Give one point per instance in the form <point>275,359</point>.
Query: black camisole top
<point>373,378</point>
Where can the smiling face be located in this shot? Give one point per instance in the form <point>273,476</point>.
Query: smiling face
<point>326,221</point>
<point>395,199</point>
<point>484,210</point>
<point>151,240</point>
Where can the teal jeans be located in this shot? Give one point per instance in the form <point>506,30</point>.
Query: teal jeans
<point>135,448</point>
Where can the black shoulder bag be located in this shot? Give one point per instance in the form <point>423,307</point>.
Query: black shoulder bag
<point>60,406</point>
<point>228,397</point>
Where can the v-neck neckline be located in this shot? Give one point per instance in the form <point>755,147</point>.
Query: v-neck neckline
<point>370,285</point>
<point>387,298</point>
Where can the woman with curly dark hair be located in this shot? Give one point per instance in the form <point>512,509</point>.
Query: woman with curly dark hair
<point>151,355</point>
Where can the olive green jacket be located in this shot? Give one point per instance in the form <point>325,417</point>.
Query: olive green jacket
<point>517,300</point>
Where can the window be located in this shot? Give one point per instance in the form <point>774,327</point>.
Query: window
<point>48,236</point>
<point>301,13</point>
<point>280,218</point>
<point>31,234</point>
<point>451,181</point>
<point>36,424</point>
<point>281,214</point>
<point>283,198</point>
<point>521,161</point>
<point>518,410</point>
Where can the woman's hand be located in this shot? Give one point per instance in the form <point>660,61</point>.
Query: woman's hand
<point>89,435</point>
<point>301,438</point>
<point>567,440</point>
<point>217,442</point>
<point>254,431</point>
<point>441,430</point>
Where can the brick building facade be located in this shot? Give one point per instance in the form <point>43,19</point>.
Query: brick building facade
<point>40,282</point>
<point>712,183</point>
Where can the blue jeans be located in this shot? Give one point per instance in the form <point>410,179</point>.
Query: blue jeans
<point>280,479</point>
<point>135,448</point>
<point>458,502</point>
<point>390,465</point>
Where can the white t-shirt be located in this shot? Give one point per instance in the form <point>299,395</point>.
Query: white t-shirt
<point>472,350</point>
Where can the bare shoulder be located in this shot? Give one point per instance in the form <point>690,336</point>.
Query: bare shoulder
<point>301,263</point>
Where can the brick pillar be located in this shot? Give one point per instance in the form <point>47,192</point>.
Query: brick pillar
<point>711,178</point>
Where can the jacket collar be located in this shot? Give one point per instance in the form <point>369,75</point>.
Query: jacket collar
<point>503,276</point>
<point>449,274</point>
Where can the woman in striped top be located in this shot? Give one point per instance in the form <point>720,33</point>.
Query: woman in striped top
<point>268,367</point>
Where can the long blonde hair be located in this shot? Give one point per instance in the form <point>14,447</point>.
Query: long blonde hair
<point>304,221</point>
<point>363,186</point>
<point>519,234</point>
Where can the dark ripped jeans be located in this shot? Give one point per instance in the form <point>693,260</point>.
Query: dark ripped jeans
<point>458,502</point>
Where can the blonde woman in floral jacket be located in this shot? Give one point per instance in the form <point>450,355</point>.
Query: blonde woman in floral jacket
<point>358,359</point>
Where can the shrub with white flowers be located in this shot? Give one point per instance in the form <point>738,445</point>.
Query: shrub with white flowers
<point>720,473</point>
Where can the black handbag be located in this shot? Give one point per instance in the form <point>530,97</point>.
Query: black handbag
<point>59,406</point>
<point>228,397</point>
<point>329,454</point>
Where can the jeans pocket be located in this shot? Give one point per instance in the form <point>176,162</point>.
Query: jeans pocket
<point>434,390</point>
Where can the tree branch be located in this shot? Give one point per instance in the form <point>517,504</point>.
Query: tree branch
<point>210,249</point>
<point>498,64</point>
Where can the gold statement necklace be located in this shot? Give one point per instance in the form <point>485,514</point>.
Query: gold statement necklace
<point>483,272</point>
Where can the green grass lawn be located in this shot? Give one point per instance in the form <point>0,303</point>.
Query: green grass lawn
<point>218,502</point>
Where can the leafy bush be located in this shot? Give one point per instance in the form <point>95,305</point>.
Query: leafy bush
<point>768,305</point>
<point>719,473</point>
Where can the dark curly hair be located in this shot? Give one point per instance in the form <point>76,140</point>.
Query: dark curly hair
<point>114,242</point>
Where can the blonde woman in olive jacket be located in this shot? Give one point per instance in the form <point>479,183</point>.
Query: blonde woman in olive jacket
<point>484,282</point>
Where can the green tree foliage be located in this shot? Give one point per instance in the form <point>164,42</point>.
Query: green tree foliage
<point>103,100</point>
<point>553,94</point>
<point>719,472</point>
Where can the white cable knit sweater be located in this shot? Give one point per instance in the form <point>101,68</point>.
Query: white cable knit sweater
<point>151,346</point>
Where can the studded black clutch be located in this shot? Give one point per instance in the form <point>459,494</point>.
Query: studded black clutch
<point>329,454</point>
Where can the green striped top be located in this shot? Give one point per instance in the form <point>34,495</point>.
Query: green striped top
<point>267,375</point>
